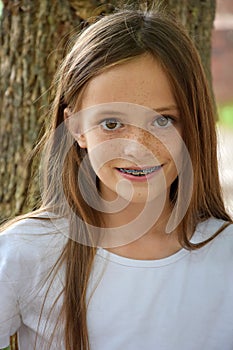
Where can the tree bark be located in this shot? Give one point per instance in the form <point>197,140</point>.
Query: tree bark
<point>198,17</point>
<point>30,35</point>
<point>31,47</point>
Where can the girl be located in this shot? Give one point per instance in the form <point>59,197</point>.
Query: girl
<point>132,247</point>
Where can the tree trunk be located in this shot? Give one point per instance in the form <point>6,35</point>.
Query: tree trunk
<point>30,35</point>
<point>30,50</point>
<point>198,17</point>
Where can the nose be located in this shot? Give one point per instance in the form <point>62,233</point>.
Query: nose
<point>138,146</point>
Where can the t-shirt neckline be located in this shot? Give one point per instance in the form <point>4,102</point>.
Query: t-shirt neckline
<point>122,260</point>
<point>203,230</point>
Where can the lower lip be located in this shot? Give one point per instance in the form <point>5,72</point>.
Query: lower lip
<point>140,178</point>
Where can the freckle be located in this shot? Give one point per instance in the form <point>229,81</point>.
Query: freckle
<point>140,140</point>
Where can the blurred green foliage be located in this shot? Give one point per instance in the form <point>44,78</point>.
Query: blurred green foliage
<point>226,114</point>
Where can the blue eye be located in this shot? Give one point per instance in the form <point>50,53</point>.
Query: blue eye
<point>111,124</point>
<point>163,121</point>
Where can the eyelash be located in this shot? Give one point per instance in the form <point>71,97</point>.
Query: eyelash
<point>111,120</point>
<point>169,118</point>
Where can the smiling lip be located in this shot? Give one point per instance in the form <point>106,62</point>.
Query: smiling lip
<point>139,177</point>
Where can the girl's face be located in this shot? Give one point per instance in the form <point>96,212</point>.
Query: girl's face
<point>130,125</point>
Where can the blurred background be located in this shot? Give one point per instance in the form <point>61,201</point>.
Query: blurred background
<point>222,75</point>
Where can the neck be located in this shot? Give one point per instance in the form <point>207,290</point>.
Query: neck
<point>132,211</point>
<point>139,241</point>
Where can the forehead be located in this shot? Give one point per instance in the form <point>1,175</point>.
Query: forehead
<point>140,81</point>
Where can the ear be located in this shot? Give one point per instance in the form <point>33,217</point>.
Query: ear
<point>72,127</point>
<point>67,113</point>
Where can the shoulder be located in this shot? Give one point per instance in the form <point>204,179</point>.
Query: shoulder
<point>222,244</point>
<point>209,227</point>
<point>42,227</point>
<point>30,241</point>
<point>38,225</point>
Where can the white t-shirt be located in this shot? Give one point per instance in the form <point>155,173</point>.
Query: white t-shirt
<point>182,302</point>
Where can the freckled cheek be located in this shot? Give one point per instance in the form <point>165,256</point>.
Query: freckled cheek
<point>167,150</point>
<point>93,140</point>
<point>95,137</point>
<point>103,152</point>
<point>168,141</point>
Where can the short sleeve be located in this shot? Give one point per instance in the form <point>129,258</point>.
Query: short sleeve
<point>9,311</point>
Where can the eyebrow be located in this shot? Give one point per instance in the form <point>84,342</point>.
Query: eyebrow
<point>112,113</point>
<point>160,109</point>
<point>166,108</point>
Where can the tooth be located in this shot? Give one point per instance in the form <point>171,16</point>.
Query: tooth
<point>140,172</point>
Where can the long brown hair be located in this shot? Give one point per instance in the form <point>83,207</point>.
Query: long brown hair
<point>113,40</point>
